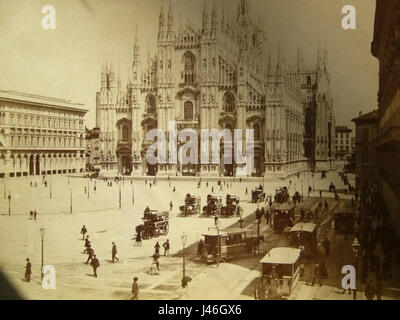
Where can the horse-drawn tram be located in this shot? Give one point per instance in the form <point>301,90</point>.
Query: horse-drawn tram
<point>155,223</point>
<point>280,267</point>
<point>303,235</point>
<point>344,218</point>
<point>227,245</point>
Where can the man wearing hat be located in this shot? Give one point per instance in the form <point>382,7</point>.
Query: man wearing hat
<point>114,252</point>
<point>95,264</point>
<point>135,289</point>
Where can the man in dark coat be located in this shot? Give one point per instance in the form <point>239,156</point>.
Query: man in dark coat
<point>114,252</point>
<point>90,253</point>
<point>135,289</point>
<point>87,244</point>
<point>83,232</point>
<point>28,270</point>
<point>157,248</point>
<point>166,247</point>
<point>317,274</point>
<point>95,264</point>
<point>327,246</point>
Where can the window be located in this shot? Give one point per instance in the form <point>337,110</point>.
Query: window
<point>229,102</point>
<point>189,64</point>
<point>151,104</point>
<point>188,111</point>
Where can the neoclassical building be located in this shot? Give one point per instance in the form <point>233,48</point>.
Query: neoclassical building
<point>40,135</point>
<point>219,75</point>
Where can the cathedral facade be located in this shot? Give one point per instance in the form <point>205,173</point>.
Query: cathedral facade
<point>217,76</point>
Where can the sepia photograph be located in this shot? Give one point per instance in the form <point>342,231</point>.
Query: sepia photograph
<point>199,150</point>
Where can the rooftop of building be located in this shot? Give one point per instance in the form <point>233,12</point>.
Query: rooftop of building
<point>367,117</point>
<point>23,97</point>
<point>343,129</point>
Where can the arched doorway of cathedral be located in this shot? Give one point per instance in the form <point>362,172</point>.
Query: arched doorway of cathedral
<point>124,146</point>
<point>227,154</point>
<point>189,169</point>
<point>256,123</point>
<point>148,123</point>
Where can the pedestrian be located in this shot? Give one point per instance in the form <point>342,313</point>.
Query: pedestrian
<point>170,206</point>
<point>327,246</point>
<point>87,244</point>
<point>90,253</point>
<point>326,206</point>
<point>212,189</point>
<point>206,184</point>
<point>369,290</point>
<point>28,270</point>
<point>85,190</point>
<point>157,248</point>
<point>200,248</point>
<point>95,264</point>
<point>31,214</point>
<point>83,232</point>
<point>31,184</point>
<point>247,191</point>
<point>320,193</point>
<point>317,274</point>
<point>114,252</point>
<point>135,289</point>
<point>155,261</point>
<point>138,239</point>
<point>174,189</point>
<point>267,217</point>
<point>34,215</point>
<point>94,188</point>
<point>166,247</point>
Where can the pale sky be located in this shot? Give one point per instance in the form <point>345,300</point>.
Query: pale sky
<point>66,62</point>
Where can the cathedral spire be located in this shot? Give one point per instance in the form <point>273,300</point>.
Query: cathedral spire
<point>214,20</point>
<point>325,61</point>
<point>243,8</point>
<point>104,74</point>
<point>111,76</point>
<point>205,19</point>
<point>170,27</point>
<point>119,79</point>
<point>161,24</point>
<point>136,53</point>
<point>223,19</point>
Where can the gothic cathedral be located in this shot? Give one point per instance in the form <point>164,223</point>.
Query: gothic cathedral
<point>217,76</point>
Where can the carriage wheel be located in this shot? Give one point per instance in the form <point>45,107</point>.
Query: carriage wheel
<point>166,230</point>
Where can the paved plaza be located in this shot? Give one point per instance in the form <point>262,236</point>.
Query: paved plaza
<point>107,223</point>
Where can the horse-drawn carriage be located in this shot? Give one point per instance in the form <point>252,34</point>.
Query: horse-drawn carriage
<point>258,195</point>
<point>283,216</point>
<point>232,206</point>
<point>213,206</point>
<point>192,205</point>
<point>155,223</point>
<point>282,195</point>
<point>227,245</point>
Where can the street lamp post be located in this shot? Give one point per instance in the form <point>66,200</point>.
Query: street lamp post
<point>356,246</point>
<point>183,240</point>
<point>51,186</point>
<point>70,201</point>
<point>217,225</point>
<point>5,188</point>
<point>42,233</point>
<point>133,194</point>
<point>9,204</point>
<point>120,195</point>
